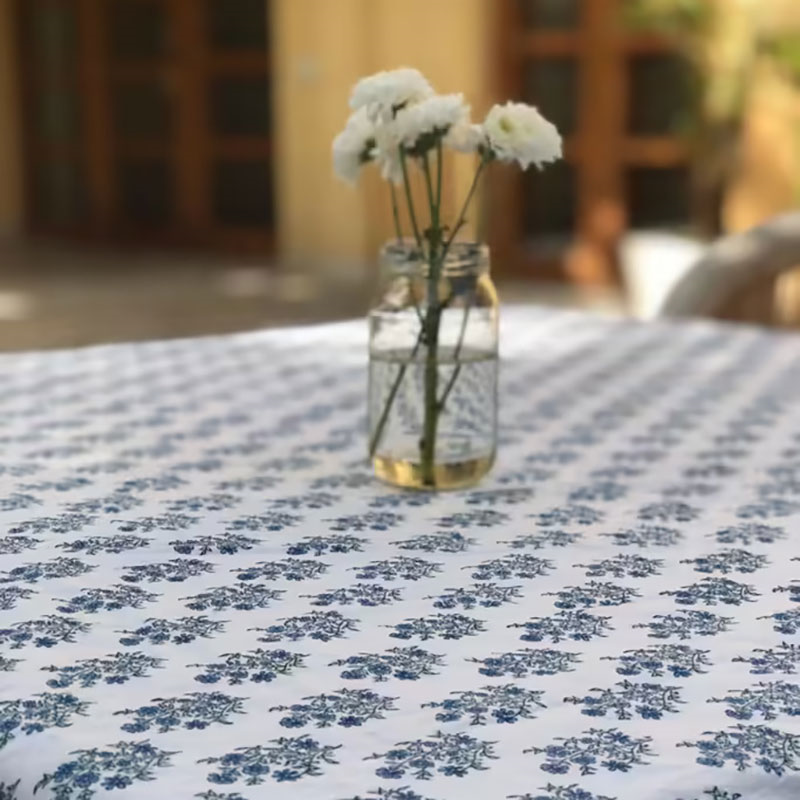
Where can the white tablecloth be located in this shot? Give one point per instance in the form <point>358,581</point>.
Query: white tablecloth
<point>204,593</point>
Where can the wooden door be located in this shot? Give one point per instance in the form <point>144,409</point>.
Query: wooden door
<point>620,97</point>
<point>149,120</point>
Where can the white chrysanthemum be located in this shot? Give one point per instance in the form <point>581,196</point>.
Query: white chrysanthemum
<point>467,138</point>
<point>387,154</point>
<point>417,127</point>
<point>385,93</point>
<point>518,132</point>
<point>354,146</point>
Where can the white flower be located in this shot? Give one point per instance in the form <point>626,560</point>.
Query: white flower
<point>387,154</point>
<point>518,132</point>
<point>385,93</point>
<point>418,126</point>
<point>467,138</point>
<point>354,146</point>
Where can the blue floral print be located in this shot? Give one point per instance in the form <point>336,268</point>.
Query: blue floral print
<point>269,521</point>
<point>711,591</point>
<point>194,711</point>
<point>473,518</point>
<point>178,631</point>
<point>257,666</point>
<point>320,625</point>
<point>115,598</point>
<point>439,626</point>
<point>372,520</point>
<point>486,595</point>
<point>592,594</point>
<point>451,754</point>
<point>552,792</point>
<point>47,570</point>
<point>646,536</point>
<point>226,544</point>
<point>14,545</point>
<point>786,622</point>
<point>502,704</point>
<point>516,565</point>
<point>569,515</point>
<point>686,624</point>
<point>93,545</point>
<point>768,700</point>
<point>175,570</point>
<point>284,759</point>
<point>452,542</point>
<point>749,746</point>
<point>37,714</point>
<point>10,595</point>
<point>162,522</point>
<point>522,663</point>
<point>546,538</point>
<point>403,663</point>
<point>625,699</point>
<point>290,569</point>
<point>240,597</point>
<point>680,660</point>
<point>113,669</point>
<point>323,545</point>
<point>576,625</point>
<point>347,708</point>
<point>623,565</point>
<point>747,534</point>
<point>48,631</point>
<point>398,568</point>
<point>363,594</point>
<point>783,658</point>
<point>728,561</point>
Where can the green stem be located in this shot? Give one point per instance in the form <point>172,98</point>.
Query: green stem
<point>410,200</point>
<point>462,217</point>
<point>456,355</point>
<point>396,213</point>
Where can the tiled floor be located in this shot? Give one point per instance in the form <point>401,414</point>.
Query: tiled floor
<point>59,297</point>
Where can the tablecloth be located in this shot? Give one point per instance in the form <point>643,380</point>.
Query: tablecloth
<point>205,593</point>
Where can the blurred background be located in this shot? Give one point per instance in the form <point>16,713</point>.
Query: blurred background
<point>165,164</point>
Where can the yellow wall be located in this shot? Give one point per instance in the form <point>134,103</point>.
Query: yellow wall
<point>321,49</point>
<point>11,204</point>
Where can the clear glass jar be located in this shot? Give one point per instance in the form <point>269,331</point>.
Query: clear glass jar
<point>433,368</point>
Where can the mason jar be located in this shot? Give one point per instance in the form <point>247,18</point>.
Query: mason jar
<point>433,368</point>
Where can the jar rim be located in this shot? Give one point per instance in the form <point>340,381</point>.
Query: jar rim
<point>404,256</point>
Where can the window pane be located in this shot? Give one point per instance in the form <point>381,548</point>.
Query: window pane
<point>238,24</point>
<point>138,29</point>
<point>146,191</point>
<point>57,116</point>
<point>549,201</point>
<point>243,193</point>
<point>659,94</point>
<point>141,110</point>
<point>550,14</point>
<point>60,192</point>
<point>658,197</point>
<point>240,106</point>
<point>551,84</point>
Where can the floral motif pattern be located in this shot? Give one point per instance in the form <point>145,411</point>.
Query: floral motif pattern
<point>347,708</point>
<point>176,570</point>
<point>711,591</point>
<point>398,568</point>
<point>320,625</point>
<point>176,631</point>
<point>10,595</point>
<point>114,669</point>
<point>240,597</point>
<point>322,545</point>
<point>486,595</point>
<point>226,544</point>
<point>258,666</point>
<point>783,658</point>
<point>623,565</point>
<point>728,561</point>
<point>648,700</point>
<point>452,542</point>
<point>686,624</point>
<point>680,660</point>
<point>194,711</point>
<point>37,714</point>
<point>503,704</point>
<point>442,626</point>
<point>403,663</point>
<point>592,594</point>
<point>290,569</point>
<point>45,632</point>
<point>522,663</point>
<point>646,536</point>
<point>47,570</point>
<point>768,700</point>
<point>576,625</point>
<point>517,565</point>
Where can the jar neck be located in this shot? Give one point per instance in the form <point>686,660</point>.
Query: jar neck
<point>463,259</point>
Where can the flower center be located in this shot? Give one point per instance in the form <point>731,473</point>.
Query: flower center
<point>506,125</point>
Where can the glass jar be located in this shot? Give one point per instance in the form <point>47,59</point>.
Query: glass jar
<point>433,368</point>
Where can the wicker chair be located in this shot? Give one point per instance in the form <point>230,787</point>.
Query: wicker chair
<point>745,278</point>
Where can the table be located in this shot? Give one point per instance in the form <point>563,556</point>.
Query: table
<point>204,593</point>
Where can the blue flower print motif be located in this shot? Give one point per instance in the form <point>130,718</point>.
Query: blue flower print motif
<point>600,491</point>
<point>401,500</point>
<point>397,568</point>
<point>576,625</point>
<point>284,759</point>
<point>175,570</point>
<point>348,708</point>
<point>720,794</point>
<point>114,766</point>
<point>216,501</point>
<point>320,625</point>
<point>9,664</point>
<point>350,480</point>
<point>569,515</point>
<point>37,714</point>
<point>495,497</point>
<point>786,622</point>
<point>749,746</point>
<point>47,632</point>
<point>371,520</point>
<point>93,545</point>
<point>686,624</point>
<point>257,666</point>
<point>750,533</point>
<point>765,509</point>
<point>515,565</point>
<point>213,795</point>
<point>793,589</point>
<point>403,663</point>
<point>597,747</point>
<point>728,561</point>
<point>572,792</point>
<point>323,545</point>
<point>522,663</point>
<point>225,544</point>
<point>192,711</point>
<point>176,631</point>
<point>623,565</point>
<point>450,754</point>
<point>553,457</point>
<point>438,626</point>
<point>113,669</point>
<point>310,500</point>
<point>91,601</point>
<point>525,475</point>
<point>290,569</point>
<point>769,700</point>
<point>241,596</point>
<point>113,504</point>
<point>711,591</point>
<point>14,545</point>
<point>10,595</point>
<point>784,658</point>
<point>8,791</point>
<point>500,704</point>
<point>401,793</point>
<point>668,511</point>
<point>680,660</point>
<point>269,521</point>
<point>47,570</point>
<point>486,595</point>
<point>543,539</point>
<point>17,501</point>
<point>646,536</point>
<point>369,595</point>
<point>257,483</point>
<point>162,522</point>
<point>452,542</point>
<point>692,489</point>
<point>594,593</point>
<point>473,518</point>
<point>626,700</point>
<point>161,483</point>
